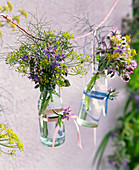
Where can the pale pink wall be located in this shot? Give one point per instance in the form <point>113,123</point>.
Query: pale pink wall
<point>22,107</point>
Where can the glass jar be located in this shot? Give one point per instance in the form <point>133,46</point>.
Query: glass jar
<point>50,100</point>
<point>93,103</point>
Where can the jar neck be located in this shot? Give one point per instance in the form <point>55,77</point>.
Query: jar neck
<point>99,73</point>
<point>52,91</point>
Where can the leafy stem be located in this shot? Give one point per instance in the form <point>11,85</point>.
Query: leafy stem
<point>89,88</point>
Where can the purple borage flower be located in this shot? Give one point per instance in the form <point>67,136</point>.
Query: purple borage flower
<point>30,77</point>
<point>50,51</point>
<point>137,97</point>
<point>109,162</point>
<point>35,78</point>
<point>66,111</point>
<point>124,164</point>
<point>60,57</point>
<point>103,42</point>
<point>114,32</point>
<point>119,50</point>
<point>116,166</point>
<point>55,65</point>
<point>24,57</point>
<point>112,135</point>
<point>111,70</point>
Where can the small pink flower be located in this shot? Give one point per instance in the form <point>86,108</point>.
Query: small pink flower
<point>114,32</point>
<point>67,111</point>
<point>134,63</point>
<point>117,32</point>
<point>125,77</point>
<point>130,69</point>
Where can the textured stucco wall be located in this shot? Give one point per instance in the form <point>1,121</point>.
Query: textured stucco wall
<point>21,97</point>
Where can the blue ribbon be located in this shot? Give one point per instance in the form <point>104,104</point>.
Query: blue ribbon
<point>59,90</point>
<point>97,120</point>
<point>100,96</point>
<point>48,89</point>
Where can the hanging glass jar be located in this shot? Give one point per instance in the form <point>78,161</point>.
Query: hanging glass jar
<point>93,101</point>
<point>50,100</point>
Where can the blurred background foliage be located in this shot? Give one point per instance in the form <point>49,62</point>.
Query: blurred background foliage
<point>125,136</point>
<point>130,26</point>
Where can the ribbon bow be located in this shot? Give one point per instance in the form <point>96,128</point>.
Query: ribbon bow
<point>100,96</point>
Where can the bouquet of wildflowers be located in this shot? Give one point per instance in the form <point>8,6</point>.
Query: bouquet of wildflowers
<point>113,56</point>
<point>48,62</point>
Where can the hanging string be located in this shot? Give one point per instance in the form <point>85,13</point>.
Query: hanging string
<point>8,18</point>
<point>93,70</point>
<point>99,25</point>
<point>84,35</point>
<point>93,53</point>
<point>95,137</point>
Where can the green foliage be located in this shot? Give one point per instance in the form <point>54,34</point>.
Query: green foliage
<point>101,149</point>
<point>130,25</point>
<point>127,133</point>
<point>134,82</point>
<point>125,136</point>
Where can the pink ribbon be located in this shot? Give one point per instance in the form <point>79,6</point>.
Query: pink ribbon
<point>74,118</point>
<point>84,35</point>
<point>54,136</point>
<point>99,25</point>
